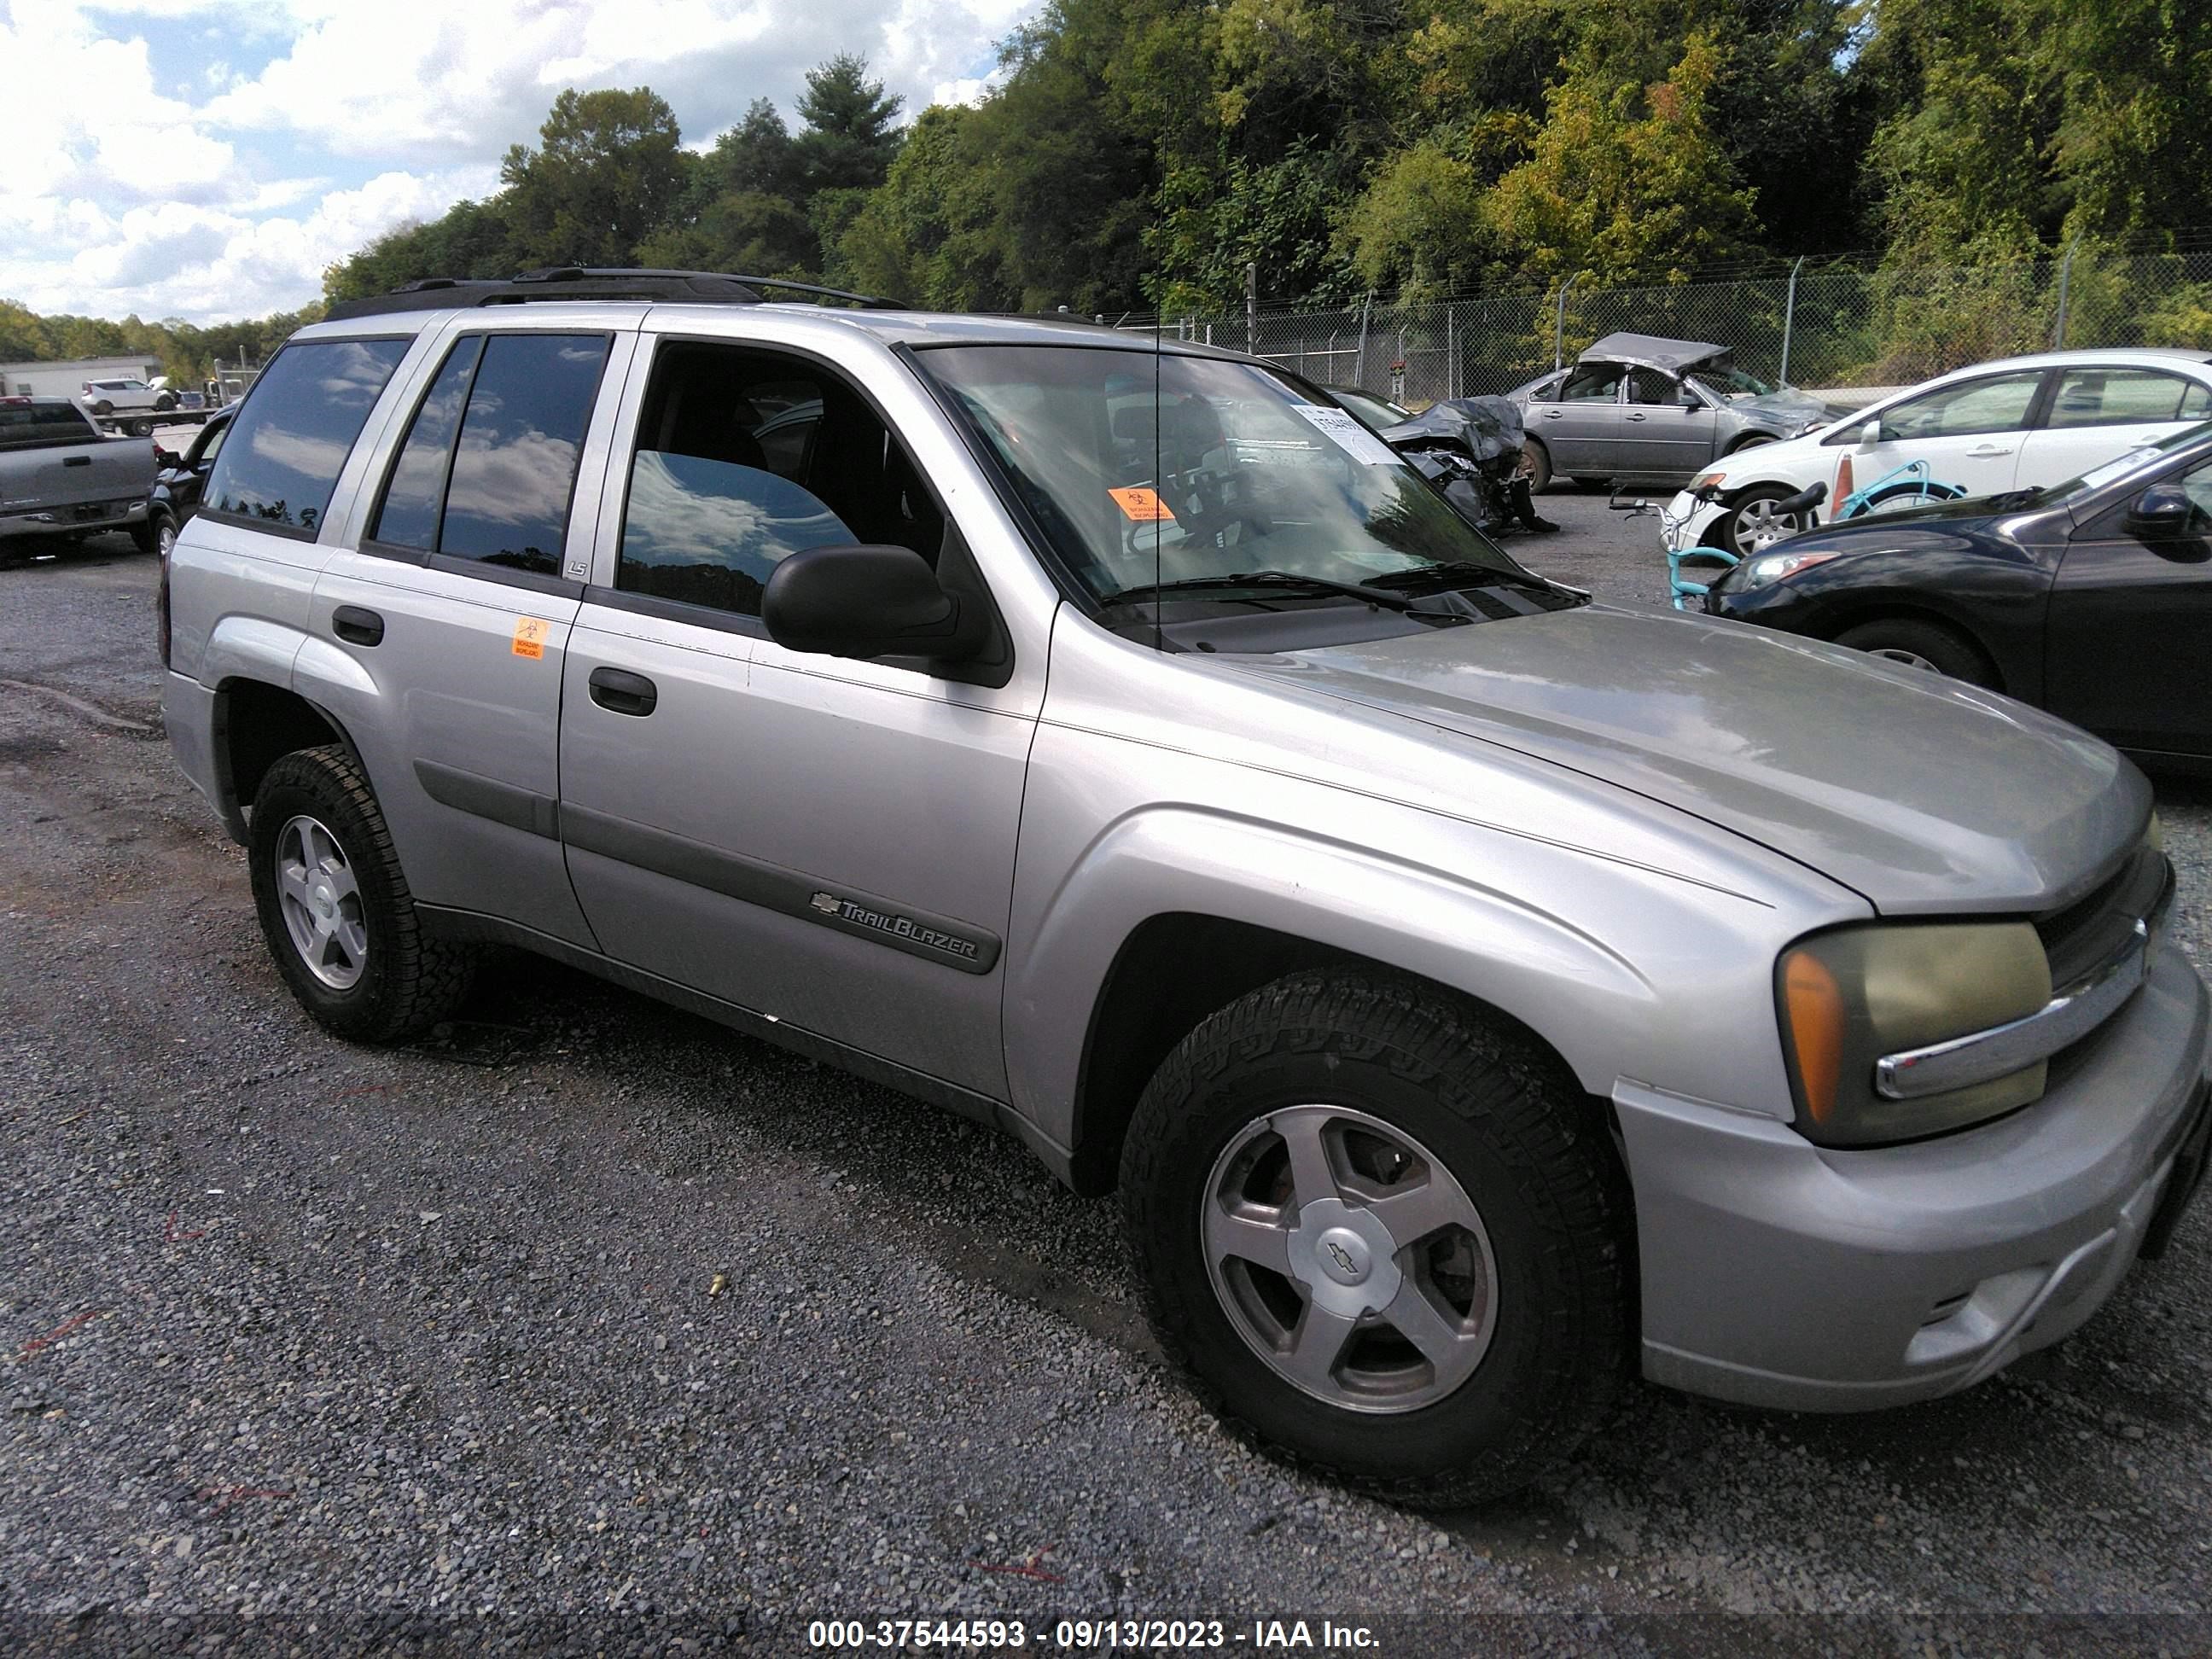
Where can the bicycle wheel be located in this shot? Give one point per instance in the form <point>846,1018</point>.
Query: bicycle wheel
<point>1898,497</point>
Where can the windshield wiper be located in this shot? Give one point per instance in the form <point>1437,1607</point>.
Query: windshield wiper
<point>1382,597</point>
<point>1465,573</point>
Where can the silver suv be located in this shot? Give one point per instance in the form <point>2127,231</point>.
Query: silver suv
<point>1476,994</point>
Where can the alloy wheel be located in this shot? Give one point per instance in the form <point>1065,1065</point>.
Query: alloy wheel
<point>321,902</point>
<point>1349,1259</point>
<point>1758,527</point>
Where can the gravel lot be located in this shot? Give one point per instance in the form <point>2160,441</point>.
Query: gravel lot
<point>592,1311</point>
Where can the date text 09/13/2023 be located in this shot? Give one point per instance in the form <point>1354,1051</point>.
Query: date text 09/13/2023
<point>1258,1635</point>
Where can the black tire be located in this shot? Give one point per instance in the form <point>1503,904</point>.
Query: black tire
<point>1505,1121</point>
<point>1759,495</point>
<point>1915,643</point>
<point>147,535</point>
<point>164,404</point>
<point>1536,462</point>
<point>1751,442</point>
<point>103,407</point>
<point>408,981</point>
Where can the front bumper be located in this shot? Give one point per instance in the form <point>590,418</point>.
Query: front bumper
<point>1688,522</point>
<point>1776,1272</point>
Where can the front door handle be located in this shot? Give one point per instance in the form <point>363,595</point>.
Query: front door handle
<point>1553,414</point>
<point>621,692</point>
<point>77,460</point>
<point>1634,417</point>
<point>357,626</point>
<point>1987,450</point>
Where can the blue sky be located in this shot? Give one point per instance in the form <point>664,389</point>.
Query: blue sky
<point>206,159</point>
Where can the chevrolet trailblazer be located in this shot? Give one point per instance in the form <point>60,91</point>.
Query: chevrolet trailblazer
<point>1475,993</point>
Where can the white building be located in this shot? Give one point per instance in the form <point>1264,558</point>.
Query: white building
<point>67,379</point>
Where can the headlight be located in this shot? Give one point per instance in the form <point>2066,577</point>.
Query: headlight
<point>1850,997</point>
<point>1708,480</point>
<point>1771,568</point>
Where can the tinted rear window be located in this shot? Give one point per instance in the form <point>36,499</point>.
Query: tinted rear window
<point>515,466</point>
<point>42,423</point>
<point>291,437</point>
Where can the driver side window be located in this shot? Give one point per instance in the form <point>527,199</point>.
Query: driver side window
<point>1650,386</point>
<point>1593,383</point>
<point>744,457</point>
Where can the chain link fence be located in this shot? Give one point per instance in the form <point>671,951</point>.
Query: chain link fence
<point>1843,323</point>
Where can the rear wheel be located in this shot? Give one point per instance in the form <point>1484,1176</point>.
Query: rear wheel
<point>1914,643</point>
<point>1384,1235</point>
<point>335,907</point>
<point>1536,464</point>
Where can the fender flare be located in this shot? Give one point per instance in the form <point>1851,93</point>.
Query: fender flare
<point>1577,991</point>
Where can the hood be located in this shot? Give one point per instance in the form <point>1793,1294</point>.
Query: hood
<point>1486,427</point>
<point>1921,795</point>
<point>1654,351</point>
<point>1786,409</point>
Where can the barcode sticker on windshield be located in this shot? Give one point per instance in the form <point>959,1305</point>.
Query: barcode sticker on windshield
<point>1143,506</point>
<point>1355,440</point>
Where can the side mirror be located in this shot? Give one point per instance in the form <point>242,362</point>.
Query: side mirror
<point>2162,513</point>
<point>868,601</point>
<point>1870,434</point>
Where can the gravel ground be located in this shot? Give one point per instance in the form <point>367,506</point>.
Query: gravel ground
<point>600,1320</point>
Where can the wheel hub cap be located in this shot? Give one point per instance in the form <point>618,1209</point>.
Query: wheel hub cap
<point>1343,1258</point>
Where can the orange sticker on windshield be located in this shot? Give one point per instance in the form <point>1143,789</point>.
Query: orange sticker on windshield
<point>1144,506</point>
<point>529,634</point>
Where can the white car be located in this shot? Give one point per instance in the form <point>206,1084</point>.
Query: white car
<point>2017,423</point>
<point>126,397</point>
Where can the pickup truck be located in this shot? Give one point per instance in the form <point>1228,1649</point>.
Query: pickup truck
<point>60,477</point>
<point>1476,993</point>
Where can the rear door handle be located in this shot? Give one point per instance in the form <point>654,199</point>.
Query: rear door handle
<point>77,460</point>
<point>1634,417</point>
<point>357,626</point>
<point>621,692</point>
<point>1553,414</point>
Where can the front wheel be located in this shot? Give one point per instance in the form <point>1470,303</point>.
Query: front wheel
<point>1384,1237</point>
<point>334,908</point>
<point>1752,525</point>
<point>1536,464</point>
<point>164,404</point>
<point>1930,646</point>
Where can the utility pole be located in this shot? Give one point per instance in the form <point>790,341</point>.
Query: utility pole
<point>1252,307</point>
<point>1789,316</point>
<point>1559,326</point>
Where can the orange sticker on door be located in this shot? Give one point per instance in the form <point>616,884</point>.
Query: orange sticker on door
<point>1144,506</point>
<point>529,634</point>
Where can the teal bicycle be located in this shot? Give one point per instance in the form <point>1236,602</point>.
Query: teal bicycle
<point>1902,487</point>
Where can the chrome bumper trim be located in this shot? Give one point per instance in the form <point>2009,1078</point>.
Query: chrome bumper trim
<point>2077,1009</point>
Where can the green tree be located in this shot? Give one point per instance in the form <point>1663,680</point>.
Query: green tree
<point>850,136</point>
<point>1625,183</point>
<point>607,172</point>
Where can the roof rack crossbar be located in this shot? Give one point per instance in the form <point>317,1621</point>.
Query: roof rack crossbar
<point>591,282</point>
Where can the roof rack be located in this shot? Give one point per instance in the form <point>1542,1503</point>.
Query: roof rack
<point>590,282</point>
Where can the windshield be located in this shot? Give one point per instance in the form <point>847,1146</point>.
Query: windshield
<point>1219,470</point>
<point>1730,381</point>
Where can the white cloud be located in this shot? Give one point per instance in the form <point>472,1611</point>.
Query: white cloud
<point>218,173</point>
